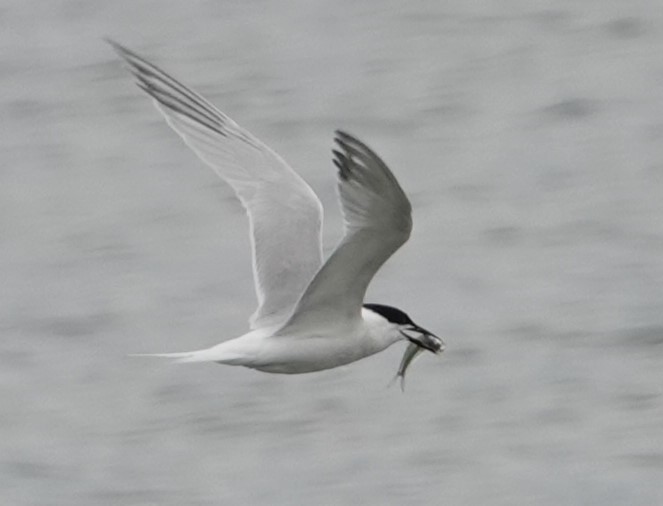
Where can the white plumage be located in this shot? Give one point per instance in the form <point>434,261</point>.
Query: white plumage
<point>310,315</point>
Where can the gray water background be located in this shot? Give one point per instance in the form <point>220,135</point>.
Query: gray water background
<point>529,136</point>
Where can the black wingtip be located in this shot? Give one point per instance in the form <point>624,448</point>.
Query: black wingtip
<point>125,53</point>
<point>343,136</point>
<point>342,163</point>
<point>117,47</point>
<point>343,157</point>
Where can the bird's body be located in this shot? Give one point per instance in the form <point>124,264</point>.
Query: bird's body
<point>293,351</point>
<point>310,314</point>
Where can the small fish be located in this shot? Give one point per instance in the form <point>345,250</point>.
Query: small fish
<point>411,352</point>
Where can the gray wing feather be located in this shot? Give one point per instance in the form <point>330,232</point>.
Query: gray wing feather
<point>378,220</point>
<point>285,215</point>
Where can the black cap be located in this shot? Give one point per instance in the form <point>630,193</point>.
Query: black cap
<point>392,314</point>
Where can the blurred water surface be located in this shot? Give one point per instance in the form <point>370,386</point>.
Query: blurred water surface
<point>530,139</point>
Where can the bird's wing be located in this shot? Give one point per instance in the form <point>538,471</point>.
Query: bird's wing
<point>378,221</point>
<point>285,215</point>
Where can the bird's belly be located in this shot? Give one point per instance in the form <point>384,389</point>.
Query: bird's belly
<point>287,355</point>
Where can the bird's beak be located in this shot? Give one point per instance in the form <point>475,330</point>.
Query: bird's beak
<point>425,339</point>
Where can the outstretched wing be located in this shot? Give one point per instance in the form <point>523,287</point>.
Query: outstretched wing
<point>285,215</point>
<point>378,221</point>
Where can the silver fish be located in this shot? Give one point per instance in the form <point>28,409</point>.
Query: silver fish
<point>411,352</point>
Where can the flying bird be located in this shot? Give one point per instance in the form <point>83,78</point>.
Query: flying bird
<point>311,313</point>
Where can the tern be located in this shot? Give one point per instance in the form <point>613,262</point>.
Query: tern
<point>311,314</point>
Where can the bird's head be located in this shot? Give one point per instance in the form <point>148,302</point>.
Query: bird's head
<point>407,329</point>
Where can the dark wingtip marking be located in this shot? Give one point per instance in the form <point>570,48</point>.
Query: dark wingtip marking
<point>343,139</point>
<point>342,170</point>
<point>342,160</point>
<point>341,157</point>
<point>169,92</point>
<point>346,159</point>
<point>342,135</point>
<point>111,42</point>
<point>120,49</point>
<point>342,163</point>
